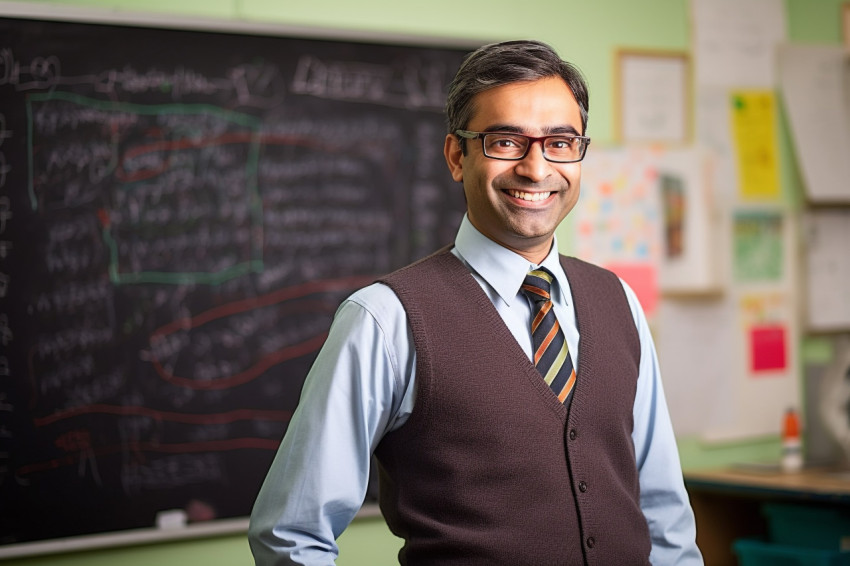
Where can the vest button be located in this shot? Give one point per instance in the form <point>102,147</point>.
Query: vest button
<point>573,434</point>
<point>582,486</point>
<point>590,542</point>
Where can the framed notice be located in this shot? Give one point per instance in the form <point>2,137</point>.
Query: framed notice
<point>653,96</point>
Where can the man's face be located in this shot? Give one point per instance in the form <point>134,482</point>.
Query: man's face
<point>518,204</point>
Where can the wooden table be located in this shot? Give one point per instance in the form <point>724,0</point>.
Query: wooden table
<point>727,503</point>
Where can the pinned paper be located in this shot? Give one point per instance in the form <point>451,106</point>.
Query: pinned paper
<point>641,277</point>
<point>753,128</point>
<point>767,348</point>
<point>758,246</point>
<point>766,320</point>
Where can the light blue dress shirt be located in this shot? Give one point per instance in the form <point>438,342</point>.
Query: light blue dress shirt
<point>362,385</point>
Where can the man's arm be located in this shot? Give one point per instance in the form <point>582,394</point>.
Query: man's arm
<point>663,498</point>
<point>319,477</point>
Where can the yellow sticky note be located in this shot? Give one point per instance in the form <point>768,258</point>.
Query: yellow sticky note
<point>754,130</point>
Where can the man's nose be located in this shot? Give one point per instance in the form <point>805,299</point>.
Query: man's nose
<point>534,166</point>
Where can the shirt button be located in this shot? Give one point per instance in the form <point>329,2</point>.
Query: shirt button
<point>582,486</point>
<point>590,542</point>
<point>573,434</point>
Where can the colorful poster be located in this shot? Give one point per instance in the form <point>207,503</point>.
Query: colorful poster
<point>618,220</point>
<point>618,217</point>
<point>758,246</point>
<point>753,128</point>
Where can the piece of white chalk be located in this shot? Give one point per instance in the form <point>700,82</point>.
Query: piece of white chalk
<point>171,519</point>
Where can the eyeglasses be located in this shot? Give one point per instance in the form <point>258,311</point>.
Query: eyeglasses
<point>560,148</point>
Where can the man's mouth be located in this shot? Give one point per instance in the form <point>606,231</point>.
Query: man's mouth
<point>532,197</point>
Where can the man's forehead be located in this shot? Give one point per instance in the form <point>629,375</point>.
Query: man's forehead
<point>545,103</point>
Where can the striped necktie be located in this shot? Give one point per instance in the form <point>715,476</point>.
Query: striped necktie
<point>551,354</point>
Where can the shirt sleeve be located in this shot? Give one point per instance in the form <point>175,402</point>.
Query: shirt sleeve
<point>663,498</point>
<point>319,477</point>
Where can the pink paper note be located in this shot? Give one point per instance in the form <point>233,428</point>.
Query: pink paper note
<point>642,278</point>
<point>767,348</point>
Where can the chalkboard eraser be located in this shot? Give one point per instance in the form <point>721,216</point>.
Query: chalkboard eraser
<point>171,519</point>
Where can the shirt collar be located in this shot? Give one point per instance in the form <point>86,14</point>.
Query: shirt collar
<point>501,268</point>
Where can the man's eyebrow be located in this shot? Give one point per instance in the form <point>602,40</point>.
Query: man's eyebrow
<point>503,128</point>
<point>510,129</point>
<point>570,130</point>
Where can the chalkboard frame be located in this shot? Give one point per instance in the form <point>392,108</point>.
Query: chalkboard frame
<point>53,13</point>
<point>48,11</point>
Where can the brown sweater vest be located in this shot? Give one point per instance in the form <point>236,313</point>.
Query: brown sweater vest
<point>490,468</point>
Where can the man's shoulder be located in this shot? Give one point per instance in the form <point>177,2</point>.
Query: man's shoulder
<point>434,262</point>
<point>375,303</point>
<point>373,294</point>
<point>383,294</point>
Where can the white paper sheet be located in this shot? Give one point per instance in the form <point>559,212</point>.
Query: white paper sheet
<point>692,339</point>
<point>654,98</point>
<point>815,83</point>
<point>827,236</point>
<point>734,41</point>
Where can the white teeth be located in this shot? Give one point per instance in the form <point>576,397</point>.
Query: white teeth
<point>530,196</point>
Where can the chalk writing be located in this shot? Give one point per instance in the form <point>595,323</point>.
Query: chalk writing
<point>410,83</point>
<point>181,214</point>
<point>251,85</point>
<point>171,471</point>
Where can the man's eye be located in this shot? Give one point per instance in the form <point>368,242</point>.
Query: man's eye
<point>506,143</point>
<point>561,143</point>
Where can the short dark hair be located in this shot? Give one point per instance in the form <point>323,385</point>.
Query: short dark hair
<point>508,62</point>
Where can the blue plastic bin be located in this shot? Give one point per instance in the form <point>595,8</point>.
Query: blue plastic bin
<point>826,528</point>
<point>759,553</point>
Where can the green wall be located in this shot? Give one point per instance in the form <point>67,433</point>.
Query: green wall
<point>587,33</point>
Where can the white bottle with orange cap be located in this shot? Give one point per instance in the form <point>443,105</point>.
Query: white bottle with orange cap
<point>792,449</point>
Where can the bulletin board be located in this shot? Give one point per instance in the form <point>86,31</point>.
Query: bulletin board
<point>729,359</point>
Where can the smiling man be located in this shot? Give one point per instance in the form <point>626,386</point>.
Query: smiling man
<point>515,195</point>
<point>511,395</point>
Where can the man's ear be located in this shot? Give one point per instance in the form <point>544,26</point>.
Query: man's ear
<point>454,157</point>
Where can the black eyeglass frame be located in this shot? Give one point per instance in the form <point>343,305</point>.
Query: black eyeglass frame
<point>469,135</point>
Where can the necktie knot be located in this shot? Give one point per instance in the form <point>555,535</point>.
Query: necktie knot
<point>537,285</point>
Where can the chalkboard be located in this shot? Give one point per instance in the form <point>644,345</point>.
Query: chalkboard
<point>181,212</point>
